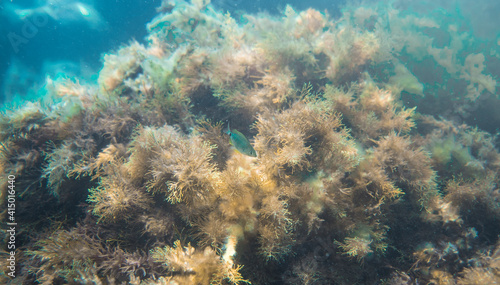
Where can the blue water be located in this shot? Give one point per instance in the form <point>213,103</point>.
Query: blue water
<point>75,44</point>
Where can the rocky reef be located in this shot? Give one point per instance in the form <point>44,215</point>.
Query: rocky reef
<point>357,180</point>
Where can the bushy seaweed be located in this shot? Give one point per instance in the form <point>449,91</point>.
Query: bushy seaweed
<point>132,179</point>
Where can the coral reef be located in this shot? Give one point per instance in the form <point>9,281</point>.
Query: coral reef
<point>132,180</point>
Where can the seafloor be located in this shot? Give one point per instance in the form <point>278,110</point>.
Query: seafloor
<point>376,159</point>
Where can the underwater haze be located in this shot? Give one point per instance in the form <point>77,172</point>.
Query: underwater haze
<point>250,142</point>
<point>63,37</point>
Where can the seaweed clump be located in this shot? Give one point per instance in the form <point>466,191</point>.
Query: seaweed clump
<point>131,179</point>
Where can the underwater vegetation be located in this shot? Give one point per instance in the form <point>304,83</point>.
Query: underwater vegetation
<point>335,168</point>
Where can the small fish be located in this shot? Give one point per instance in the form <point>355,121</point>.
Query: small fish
<point>240,142</point>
